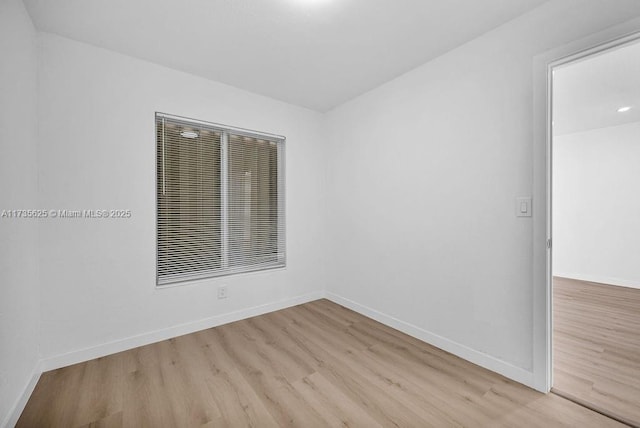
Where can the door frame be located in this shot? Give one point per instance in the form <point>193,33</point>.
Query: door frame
<point>601,43</point>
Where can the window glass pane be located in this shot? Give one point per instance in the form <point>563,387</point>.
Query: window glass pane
<point>189,234</point>
<point>253,201</point>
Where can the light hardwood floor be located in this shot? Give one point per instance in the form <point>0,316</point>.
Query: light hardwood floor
<point>313,365</point>
<point>597,346</point>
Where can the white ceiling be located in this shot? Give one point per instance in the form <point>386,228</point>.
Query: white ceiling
<point>587,94</point>
<point>313,53</point>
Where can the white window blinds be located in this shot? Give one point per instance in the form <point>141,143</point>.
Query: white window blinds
<point>220,200</point>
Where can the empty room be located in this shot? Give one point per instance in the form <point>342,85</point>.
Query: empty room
<point>314,213</point>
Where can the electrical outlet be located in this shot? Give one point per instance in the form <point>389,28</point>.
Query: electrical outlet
<point>222,292</point>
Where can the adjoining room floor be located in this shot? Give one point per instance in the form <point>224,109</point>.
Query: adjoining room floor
<point>313,365</point>
<point>597,346</point>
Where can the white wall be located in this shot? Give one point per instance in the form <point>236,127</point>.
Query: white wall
<point>596,209</point>
<point>97,145</point>
<point>19,299</point>
<point>422,184</point>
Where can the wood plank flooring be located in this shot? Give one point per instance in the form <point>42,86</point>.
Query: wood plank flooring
<point>313,365</point>
<point>597,346</point>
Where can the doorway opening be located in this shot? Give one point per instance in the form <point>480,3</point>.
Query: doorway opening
<point>595,225</point>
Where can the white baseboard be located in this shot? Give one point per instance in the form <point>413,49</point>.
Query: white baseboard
<point>87,354</point>
<point>620,282</point>
<point>16,410</point>
<point>483,360</point>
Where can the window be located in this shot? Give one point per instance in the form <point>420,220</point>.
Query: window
<point>220,200</point>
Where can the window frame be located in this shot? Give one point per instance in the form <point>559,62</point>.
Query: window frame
<point>225,130</point>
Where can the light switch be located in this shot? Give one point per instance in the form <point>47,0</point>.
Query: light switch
<point>523,207</point>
